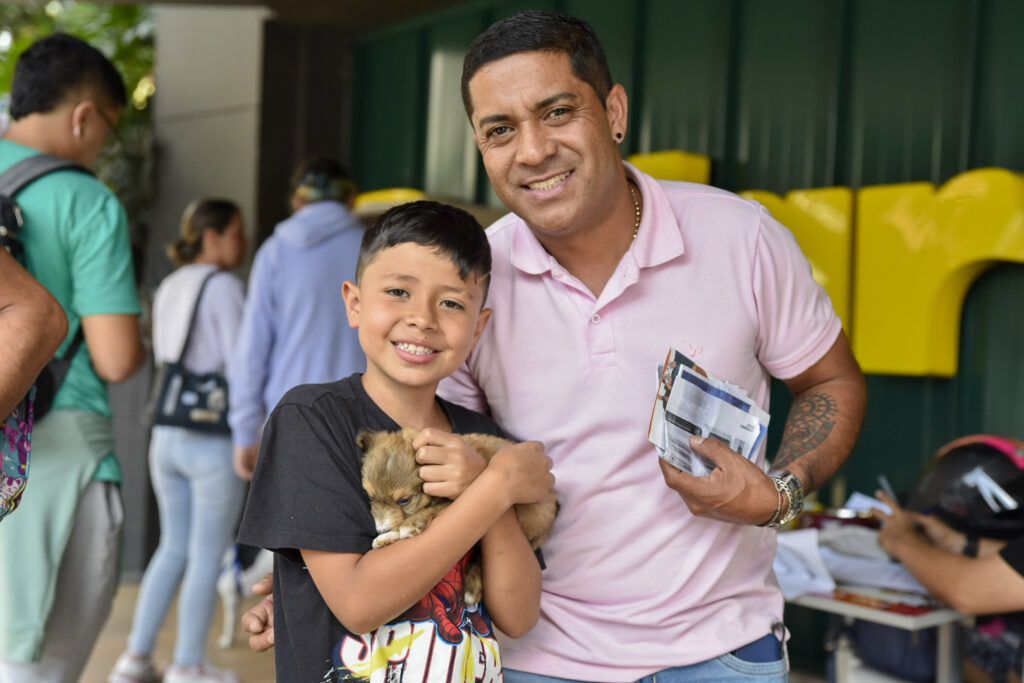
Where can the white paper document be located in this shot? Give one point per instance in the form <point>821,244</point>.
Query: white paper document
<point>691,402</point>
<point>798,565</point>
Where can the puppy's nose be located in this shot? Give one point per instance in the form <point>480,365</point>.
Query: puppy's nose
<point>382,526</point>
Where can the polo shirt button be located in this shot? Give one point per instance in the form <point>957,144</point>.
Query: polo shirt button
<point>596,318</point>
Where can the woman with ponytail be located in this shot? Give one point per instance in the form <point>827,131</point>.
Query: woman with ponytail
<point>198,494</point>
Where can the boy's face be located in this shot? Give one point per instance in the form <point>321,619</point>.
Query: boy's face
<point>417,319</point>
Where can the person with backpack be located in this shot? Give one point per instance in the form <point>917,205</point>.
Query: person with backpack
<point>59,555</point>
<point>197,311</point>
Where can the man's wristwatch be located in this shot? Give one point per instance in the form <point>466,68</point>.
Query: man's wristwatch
<point>788,484</point>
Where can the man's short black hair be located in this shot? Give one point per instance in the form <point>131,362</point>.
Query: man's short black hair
<point>52,66</point>
<point>448,230</point>
<point>538,31</point>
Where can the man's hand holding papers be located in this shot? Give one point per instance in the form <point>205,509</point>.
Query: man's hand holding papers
<point>708,433</point>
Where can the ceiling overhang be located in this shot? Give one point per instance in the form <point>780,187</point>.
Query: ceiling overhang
<point>357,15</point>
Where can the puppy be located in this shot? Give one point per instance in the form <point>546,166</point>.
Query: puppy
<point>401,509</point>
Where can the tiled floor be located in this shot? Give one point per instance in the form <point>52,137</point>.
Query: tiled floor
<point>251,666</point>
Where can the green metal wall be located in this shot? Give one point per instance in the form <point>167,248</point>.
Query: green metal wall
<point>782,95</point>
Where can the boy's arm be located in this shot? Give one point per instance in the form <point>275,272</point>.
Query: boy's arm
<point>512,577</point>
<point>511,573</point>
<point>366,591</point>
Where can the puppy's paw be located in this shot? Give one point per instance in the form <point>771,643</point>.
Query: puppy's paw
<point>386,538</point>
<point>473,590</point>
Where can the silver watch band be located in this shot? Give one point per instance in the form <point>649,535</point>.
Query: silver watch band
<point>794,492</point>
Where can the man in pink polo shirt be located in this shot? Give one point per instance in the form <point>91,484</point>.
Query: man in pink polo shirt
<point>598,270</point>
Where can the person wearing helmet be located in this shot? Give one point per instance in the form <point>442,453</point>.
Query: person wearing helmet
<point>972,575</point>
<point>962,535</point>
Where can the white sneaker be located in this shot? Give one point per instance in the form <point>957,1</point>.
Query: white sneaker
<point>204,673</point>
<point>134,668</point>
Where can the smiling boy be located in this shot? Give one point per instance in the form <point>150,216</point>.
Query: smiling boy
<point>343,610</point>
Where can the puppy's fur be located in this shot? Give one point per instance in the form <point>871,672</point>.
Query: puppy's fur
<point>401,509</point>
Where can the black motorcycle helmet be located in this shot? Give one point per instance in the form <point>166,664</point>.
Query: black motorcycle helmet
<point>975,485</point>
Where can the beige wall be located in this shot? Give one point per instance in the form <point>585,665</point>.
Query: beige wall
<point>208,73</point>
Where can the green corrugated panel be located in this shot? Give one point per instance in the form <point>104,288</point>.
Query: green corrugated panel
<point>990,384</point>
<point>787,95</point>
<point>907,419</point>
<point>998,126</point>
<point>685,68</point>
<point>907,89</point>
<point>388,112</point>
<point>451,163</point>
<point>615,25</point>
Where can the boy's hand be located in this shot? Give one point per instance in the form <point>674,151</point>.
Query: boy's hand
<point>258,622</point>
<point>526,470</point>
<point>448,464</point>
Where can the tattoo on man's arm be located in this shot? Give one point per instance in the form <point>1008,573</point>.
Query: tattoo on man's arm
<point>810,422</point>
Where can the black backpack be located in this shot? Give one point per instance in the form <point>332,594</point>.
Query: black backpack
<point>12,181</point>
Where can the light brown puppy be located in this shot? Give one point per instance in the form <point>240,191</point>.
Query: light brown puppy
<point>401,509</point>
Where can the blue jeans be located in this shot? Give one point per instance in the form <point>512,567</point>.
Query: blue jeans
<point>727,668</point>
<point>200,498</point>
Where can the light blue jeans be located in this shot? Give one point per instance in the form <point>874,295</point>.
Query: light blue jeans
<point>725,669</point>
<point>200,498</point>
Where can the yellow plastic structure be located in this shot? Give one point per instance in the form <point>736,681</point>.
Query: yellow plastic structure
<point>918,252</point>
<point>386,198</point>
<point>674,164</point>
<point>821,220</point>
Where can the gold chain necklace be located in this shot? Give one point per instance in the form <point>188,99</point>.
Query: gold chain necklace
<point>636,207</point>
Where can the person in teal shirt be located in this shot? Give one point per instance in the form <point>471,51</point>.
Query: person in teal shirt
<point>59,555</point>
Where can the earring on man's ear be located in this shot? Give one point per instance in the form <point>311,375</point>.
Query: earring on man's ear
<point>76,131</point>
<point>618,136</point>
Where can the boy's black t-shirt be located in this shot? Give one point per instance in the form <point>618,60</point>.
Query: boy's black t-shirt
<point>307,493</point>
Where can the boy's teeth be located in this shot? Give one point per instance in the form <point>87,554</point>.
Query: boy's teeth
<point>549,183</point>
<point>412,348</point>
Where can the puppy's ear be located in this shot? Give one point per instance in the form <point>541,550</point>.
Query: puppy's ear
<point>364,440</point>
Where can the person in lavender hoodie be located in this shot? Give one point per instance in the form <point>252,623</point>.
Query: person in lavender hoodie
<point>294,329</point>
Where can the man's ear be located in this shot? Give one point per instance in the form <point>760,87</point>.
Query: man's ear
<point>81,116</point>
<point>617,107</point>
<point>350,293</point>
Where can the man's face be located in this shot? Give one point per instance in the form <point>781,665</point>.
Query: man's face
<point>547,141</point>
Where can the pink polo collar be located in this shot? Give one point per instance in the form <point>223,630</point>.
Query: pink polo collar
<point>658,241</point>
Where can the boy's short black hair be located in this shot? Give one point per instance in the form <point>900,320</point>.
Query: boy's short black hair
<point>451,232</point>
<point>52,66</point>
<point>539,31</point>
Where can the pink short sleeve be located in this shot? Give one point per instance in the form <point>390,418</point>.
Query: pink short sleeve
<point>797,324</point>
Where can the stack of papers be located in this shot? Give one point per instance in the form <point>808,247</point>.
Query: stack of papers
<point>813,561</point>
<point>690,402</point>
